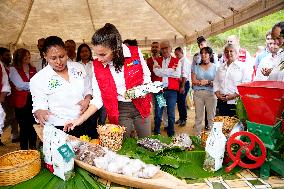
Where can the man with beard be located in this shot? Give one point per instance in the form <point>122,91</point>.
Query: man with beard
<point>155,50</point>
<point>38,60</point>
<point>70,46</point>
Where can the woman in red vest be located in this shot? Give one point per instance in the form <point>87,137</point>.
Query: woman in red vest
<point>116,69</point>
<point>20,75</point>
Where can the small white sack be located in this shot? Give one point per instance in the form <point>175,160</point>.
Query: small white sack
<point>215,148</point>
<point>58,154</point>
<point>142,90</point>
<point>2,119</point>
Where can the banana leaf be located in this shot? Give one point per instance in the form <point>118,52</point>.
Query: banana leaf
<point>46,180</point>
<point>180,163</point>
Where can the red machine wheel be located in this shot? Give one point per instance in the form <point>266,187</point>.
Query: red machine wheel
<point>246,148</point>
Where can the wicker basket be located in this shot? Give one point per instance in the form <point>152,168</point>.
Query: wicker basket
<point>111,136</point>
<point>19,166</point>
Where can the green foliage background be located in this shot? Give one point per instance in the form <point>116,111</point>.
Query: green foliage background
<point>251,34</point>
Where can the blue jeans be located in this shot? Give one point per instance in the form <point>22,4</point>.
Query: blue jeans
<point>171,98</point>
<point>182,110</point>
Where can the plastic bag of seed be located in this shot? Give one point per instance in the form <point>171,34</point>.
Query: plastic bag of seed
<point>58,153</point>
<point>111,136</point>
<point>215,148</point>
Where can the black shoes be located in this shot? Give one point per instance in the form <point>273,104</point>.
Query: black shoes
<point>181,123</point>
<point>207,128</point>
<point>15,140</point>
<point>178,122</point>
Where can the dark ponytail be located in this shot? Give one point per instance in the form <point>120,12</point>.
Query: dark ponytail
<point>109,37</point>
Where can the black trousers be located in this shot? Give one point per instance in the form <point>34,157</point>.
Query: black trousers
<point>26,120</point>
<point>100,116</point>
<point>89,127</point>
<point>226,109</point>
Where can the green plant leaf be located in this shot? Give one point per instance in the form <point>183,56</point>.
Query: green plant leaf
<point>180,163</point>
<point>46,180</point>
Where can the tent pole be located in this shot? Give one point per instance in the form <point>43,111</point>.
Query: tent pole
<point>91,17</point>
<point>25,21</point>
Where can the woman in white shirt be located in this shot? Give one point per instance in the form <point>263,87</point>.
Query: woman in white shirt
<point>61,90</point>
<point>117,69</point>
<point>84,57</point>
<point>229,75</point>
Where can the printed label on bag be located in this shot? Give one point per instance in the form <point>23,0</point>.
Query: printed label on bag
<point>66,152</point>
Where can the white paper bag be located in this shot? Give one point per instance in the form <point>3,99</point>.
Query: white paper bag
<point>215,148</point>
<point>58,154</point>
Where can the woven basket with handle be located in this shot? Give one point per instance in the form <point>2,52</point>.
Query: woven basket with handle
<point>19,166</point>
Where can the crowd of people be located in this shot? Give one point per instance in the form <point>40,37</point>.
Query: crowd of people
<point>75,92</point>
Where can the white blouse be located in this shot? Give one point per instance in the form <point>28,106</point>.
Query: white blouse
<point>52,92</point>
<point>228,77</point>
<point>88,67</point>
<point>5,80</point>
<point>17,79</point>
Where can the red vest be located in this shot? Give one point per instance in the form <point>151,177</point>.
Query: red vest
<point>150,64</point>
<point>19,98</point>
<point>242,55</point>
<point>133,75</point>
<point>173,83</point>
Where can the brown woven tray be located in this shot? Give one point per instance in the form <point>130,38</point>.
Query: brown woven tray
<point>19,166</point>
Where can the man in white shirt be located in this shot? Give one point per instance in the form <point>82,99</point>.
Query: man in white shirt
<point>37,60</point>
<point>70,46</point>
<point>265,52</point>
<point>184,86</point>
<point>169,71</point>
<point>277,34</point>
<point>201,42</point>
<point>267,62</point>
